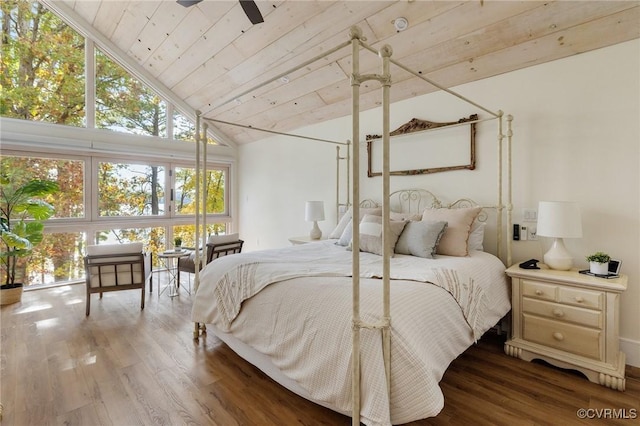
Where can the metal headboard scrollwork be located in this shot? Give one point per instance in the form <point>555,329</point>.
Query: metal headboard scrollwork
<point>417,200</point>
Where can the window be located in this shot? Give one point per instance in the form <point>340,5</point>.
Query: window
<point>101,188</point>
<point>134,191</point>
<point>57,259</point>
<point>186,191</point>
<point>183,128</point>
<point>130,189</point>
<point>42,64</point>
<point>69,174</point>
<point>124,103</point>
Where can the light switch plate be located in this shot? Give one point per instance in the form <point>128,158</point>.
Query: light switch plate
<point>530,215</point>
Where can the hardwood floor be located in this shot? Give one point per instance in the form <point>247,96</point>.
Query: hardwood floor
<point>124,366</point>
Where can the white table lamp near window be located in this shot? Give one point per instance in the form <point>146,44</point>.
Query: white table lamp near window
<point>559,219</point>
<point>313,212</point>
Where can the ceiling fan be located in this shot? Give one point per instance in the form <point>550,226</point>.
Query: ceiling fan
<point>249,6</point>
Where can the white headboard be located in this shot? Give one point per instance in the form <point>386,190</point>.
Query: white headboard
<point>415,201</point>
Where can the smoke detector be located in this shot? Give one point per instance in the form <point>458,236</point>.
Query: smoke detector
<point>401,24</point>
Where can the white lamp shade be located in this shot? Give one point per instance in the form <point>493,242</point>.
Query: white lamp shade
<point>559,219</point>
<point>314,210</point>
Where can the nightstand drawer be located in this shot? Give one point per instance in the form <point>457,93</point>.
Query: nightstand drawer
<point>567,337</point>
<point>581,297</point>
<point>539,290</point>
<point>586,317</point>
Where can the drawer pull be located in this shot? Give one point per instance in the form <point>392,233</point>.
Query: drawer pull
<point>579,299</point>
<point>558,336</point>
<point>558,313</point>
<point>539,293</point>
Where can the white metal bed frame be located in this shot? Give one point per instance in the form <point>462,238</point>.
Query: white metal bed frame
<point>357,43</point>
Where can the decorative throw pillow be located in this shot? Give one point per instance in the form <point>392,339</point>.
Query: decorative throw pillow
<point>421,238</point>
<point>476,237</point>
<point>454,242</point>
<point>371,234</point>
<point>344,238</point>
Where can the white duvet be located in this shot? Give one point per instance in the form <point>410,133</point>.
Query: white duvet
<point>294,306</point>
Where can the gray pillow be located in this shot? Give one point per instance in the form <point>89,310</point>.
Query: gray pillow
<point>421,238</point>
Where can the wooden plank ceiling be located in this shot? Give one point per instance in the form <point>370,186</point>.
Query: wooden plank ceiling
<point>210,53</point>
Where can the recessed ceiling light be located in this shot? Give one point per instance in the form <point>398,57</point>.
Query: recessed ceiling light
<point>401,24</point>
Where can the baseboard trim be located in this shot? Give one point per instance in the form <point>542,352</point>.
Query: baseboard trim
<point>631,348</point>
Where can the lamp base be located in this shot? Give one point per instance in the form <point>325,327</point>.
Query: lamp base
<point>558,257</point>
<point>315,233</point>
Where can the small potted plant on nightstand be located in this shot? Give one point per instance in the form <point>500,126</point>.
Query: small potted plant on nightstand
<point>599,263</point>
<point>177,244</point>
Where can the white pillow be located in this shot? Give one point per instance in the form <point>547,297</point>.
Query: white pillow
<point>476,237</point>
<point>345,221</point>
<point>345,235</point>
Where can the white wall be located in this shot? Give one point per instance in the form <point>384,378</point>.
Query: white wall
<point>576,137</point>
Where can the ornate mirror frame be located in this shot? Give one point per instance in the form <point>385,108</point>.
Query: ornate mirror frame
<point>417,125</point>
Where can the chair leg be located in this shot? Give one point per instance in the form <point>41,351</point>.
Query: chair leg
<point>88,303</point>
<point>142,301</point>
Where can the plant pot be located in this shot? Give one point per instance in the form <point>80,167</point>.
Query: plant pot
<point>10,293</point>
<point>599,268</point>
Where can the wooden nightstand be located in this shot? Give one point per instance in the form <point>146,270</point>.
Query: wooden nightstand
<point>304,240</point>
<point>570,320</point>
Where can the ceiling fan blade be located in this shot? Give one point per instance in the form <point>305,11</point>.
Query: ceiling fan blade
<point>252,11</point>
<point>188,3</point>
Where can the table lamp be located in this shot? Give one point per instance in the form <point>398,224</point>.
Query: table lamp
<point>559,219</point>
<point>313,212</point>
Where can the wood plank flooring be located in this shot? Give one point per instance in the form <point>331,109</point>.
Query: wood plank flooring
<point>124,366</point>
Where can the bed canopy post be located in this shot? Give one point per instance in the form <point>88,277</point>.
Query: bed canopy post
<point>385,79</point>
<point>356,34</point>
<point>499,205</point>
<point>509,189</point>
<point>196,280</point>
<point>205,188</point>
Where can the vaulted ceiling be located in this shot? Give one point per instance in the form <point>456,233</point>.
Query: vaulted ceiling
<point>209,55</point>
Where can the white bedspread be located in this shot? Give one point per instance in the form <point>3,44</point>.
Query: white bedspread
<point>296,309</point>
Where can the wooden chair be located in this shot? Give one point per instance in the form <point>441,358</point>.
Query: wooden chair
<point>115,267</point>
<point>217,246</point>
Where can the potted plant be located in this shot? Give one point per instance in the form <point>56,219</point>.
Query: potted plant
<point>599,263</point>
<point>177,243</point>
<point>22,211</point>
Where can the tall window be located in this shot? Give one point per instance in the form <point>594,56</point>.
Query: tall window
<point>42,64</point>
<point>43,79</point>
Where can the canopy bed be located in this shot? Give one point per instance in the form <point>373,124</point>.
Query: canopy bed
<point>287,310</point>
